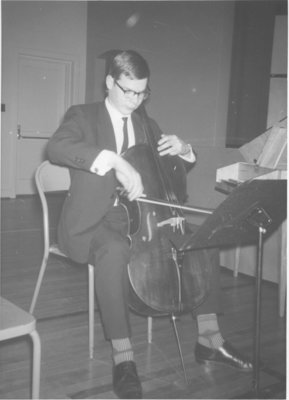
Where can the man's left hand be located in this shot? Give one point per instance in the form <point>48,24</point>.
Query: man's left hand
<point>173,145</point>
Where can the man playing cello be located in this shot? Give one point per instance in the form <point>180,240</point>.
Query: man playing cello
<point>93,226</point>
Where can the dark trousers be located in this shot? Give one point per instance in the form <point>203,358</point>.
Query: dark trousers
<point>110,253</point>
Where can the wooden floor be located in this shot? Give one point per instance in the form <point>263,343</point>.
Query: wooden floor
<point>61,311</point>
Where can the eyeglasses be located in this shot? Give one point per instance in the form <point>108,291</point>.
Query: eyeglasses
<point>131,93</point>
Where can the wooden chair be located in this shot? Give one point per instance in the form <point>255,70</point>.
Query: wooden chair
<point>53,178</point>
<point>15,322</point>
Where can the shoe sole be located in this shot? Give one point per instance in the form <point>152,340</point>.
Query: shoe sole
<point>212,363</point>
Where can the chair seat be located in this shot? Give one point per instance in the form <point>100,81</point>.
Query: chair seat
<point>14,321</point>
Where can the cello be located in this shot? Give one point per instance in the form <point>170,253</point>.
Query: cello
<point>163,281</point>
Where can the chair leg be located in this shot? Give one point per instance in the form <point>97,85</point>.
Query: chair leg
<point>91,309</point>
<point>150,326</point>
<point>283,269</point>
<point>36,364</point>
<point>237,261</point>
<point>38,284</point>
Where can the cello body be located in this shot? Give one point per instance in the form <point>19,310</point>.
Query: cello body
<point>162,280</point>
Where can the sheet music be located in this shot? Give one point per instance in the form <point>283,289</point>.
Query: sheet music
<point>269,149</point>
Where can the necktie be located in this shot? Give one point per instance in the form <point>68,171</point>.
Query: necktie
<point>125,135</point>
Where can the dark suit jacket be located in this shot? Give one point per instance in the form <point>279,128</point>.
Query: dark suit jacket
<point>85,131</point>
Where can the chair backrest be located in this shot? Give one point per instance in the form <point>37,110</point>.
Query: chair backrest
<point>50,178</point>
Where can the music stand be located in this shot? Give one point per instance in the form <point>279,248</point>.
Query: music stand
<point>249,214</point>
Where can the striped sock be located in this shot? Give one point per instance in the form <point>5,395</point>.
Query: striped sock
<point>209,331</point>
<point>121,350</point>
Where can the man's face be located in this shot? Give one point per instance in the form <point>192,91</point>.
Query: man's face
<point>123,100</point>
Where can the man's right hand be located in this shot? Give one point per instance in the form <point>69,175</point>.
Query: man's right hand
<point>128,177</point>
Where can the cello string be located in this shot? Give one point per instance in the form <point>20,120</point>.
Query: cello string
<point>162,172</point>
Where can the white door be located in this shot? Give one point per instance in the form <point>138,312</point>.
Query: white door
<point>43,73</point>
<point>44,93</point>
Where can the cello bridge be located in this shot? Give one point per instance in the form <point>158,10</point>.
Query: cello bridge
<point>175,222</point>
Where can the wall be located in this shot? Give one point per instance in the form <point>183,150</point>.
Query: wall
<point>250,74</point>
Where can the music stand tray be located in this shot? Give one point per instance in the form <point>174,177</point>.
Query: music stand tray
<point>253,203</point>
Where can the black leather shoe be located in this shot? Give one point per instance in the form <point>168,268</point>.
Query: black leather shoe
<point>226,354</point>
<point>126,383</point>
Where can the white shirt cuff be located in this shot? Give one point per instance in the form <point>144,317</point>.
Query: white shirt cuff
<point>190,156</point>
<point>102,164</point>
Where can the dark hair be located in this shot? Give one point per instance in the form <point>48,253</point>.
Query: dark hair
<point>129,63</point>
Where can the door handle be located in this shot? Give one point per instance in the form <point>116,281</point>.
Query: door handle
<point>19,136</point>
